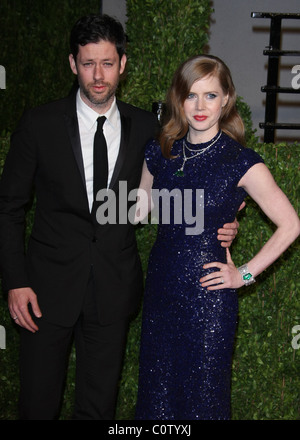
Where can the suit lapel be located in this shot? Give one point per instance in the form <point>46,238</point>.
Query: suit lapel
<point>125,132</point>
<point>73,131</point>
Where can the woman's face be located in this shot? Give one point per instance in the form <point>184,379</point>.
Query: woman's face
<point>203,108</point>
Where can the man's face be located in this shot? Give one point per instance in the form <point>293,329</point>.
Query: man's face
<point>98,68</point>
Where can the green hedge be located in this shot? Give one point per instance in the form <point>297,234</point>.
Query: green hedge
<point>161,35</point>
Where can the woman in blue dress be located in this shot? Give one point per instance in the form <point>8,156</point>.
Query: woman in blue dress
<point>199,173</point>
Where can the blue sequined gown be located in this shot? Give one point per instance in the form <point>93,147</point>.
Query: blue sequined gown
<point>188,332</point>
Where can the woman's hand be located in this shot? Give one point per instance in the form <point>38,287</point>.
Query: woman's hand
<point>227,277</point>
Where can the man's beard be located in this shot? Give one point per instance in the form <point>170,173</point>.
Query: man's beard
<point>100,99</point>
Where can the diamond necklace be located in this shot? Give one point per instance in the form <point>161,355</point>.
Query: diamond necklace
<point>180,172</point>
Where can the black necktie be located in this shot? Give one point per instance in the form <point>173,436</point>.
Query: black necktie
<point>100,158</point>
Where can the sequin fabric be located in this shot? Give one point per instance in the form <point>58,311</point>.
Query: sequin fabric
<point>188,332</point>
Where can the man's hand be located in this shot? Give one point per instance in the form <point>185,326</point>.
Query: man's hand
<point>18,300</point>
<point>229,231</point>
<point>227,234</point>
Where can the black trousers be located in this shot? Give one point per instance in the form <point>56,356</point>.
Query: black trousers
<point>44,359</point>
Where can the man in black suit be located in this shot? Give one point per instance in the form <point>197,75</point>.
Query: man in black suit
<point>77,277</point>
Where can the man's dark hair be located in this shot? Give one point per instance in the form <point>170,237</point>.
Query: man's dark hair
<point>93,28</point>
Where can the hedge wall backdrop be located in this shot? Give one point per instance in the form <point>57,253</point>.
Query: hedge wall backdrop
<point>266,379</point>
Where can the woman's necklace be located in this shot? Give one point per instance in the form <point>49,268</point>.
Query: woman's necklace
<point>180,172</point>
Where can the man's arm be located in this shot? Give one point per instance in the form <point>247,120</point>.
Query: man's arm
<point>15,193</point>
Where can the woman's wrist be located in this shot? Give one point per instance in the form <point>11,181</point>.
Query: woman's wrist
<point>246,275</point>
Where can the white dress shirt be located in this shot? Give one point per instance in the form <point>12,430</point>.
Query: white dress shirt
<point>87,120</point>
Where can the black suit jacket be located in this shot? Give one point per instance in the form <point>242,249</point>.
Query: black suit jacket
<point>65,243</point>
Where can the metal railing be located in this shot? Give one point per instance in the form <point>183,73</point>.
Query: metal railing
<point>272,89</point>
